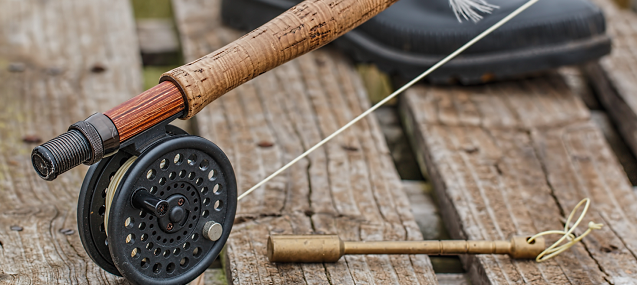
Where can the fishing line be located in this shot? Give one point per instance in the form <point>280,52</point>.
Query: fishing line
<point>112,188</point>
<point>391,96</point>
<point>567,233</point>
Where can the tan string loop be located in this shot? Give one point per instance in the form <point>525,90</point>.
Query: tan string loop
<point>567,233</point>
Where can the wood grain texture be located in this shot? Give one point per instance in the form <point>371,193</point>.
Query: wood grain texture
<point>515,158</point>
<point>349,187</point>
<point>157,35</point>
<point>305,27</point>
<point>146,110</point>
<point>60,61</point>
<point>614,77</point>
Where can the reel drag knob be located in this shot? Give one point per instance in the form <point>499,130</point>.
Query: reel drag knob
<point>159,208</point>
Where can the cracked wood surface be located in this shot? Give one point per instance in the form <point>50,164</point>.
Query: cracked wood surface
<point>60,61</point>
<point>615,77</point>
<point>515,158</point>
<point>349,186</point>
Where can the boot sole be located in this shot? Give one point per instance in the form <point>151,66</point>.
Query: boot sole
<point>465,69</point>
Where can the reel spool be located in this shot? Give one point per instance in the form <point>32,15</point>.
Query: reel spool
<point>159,214</point>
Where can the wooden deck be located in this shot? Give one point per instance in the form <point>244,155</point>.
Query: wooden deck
<point>514,158</point>
<point>614,77</point>
<point>504,158</point>
<point>349,187</point>
<point>55,69</point>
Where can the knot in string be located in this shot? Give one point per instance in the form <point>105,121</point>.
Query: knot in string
<point>567,233</point>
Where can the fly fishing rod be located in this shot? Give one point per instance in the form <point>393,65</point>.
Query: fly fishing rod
<point>157,205</point>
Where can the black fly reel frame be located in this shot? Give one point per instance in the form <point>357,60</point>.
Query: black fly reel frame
<point>160,210</point>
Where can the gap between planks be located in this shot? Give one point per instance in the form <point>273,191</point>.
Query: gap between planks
<point>514,158</point>
<point>349,187</point>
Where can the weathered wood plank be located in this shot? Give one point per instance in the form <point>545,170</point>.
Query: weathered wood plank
<point>614,77</point>
<point>580,85</point>
<point>514,158</point>
<point>157,36</point>
<point>349,187</point>
<point>60,61</point>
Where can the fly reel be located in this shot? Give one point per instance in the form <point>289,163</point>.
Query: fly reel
<point>160,210</point>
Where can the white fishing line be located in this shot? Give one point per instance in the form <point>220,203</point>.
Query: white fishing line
<point>391,96</point>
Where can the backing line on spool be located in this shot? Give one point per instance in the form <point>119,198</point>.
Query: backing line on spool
<point>112,188</point>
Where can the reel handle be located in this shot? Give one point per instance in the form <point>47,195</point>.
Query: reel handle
<point>143,200</point>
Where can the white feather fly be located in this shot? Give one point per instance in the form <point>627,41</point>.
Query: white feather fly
<point>471,9</point>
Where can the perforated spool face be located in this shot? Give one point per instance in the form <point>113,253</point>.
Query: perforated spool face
<point>196,179</point>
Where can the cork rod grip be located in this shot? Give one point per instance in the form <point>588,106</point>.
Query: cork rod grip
<point>305,27</point>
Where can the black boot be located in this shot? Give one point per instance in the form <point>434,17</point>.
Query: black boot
<point>412,35</point>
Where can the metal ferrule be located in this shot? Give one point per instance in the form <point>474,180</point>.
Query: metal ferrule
<point>85,142</point>
<point>107,131</point>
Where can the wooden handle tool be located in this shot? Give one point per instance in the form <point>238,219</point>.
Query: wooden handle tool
<point>330,248</point>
